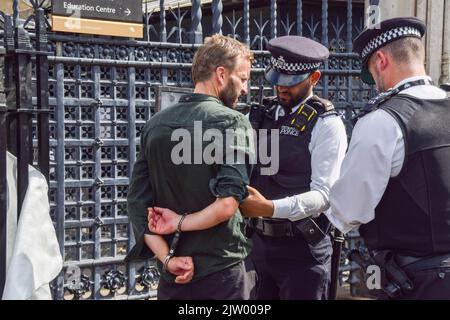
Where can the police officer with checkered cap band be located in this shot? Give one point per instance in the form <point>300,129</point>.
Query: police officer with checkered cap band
<point>395,179</point>
<point>293,59</point>
<point>372,39</point>
<point>291,246</point>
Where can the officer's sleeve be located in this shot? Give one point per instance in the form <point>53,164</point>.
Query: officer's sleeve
<point>239,153</point>
<point>139,198</point>
<point>327,147</point>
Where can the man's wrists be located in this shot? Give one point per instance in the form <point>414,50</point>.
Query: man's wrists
<point>180,222</point>
<point>166,261</point>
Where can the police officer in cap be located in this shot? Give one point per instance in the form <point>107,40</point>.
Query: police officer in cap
<point>292,248</point>
<point>395,178</point>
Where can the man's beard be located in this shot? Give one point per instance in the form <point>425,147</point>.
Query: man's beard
<point>228,95</point>
<point>288,106</point>
<point>293,101</point>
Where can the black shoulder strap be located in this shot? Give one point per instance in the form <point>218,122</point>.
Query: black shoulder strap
<point>380,99</point>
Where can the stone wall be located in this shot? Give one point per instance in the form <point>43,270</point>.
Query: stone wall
<point>2,80</point>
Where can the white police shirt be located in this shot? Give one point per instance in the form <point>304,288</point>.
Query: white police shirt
<point>376,153</point>
<point>327,147</point>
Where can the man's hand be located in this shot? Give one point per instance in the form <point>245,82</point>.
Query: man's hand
<point>182,267</point>
<point>162,220</point>
<point>256,205</point>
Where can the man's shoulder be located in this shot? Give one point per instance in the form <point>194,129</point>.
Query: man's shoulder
<point>226,116</point>
<point>376,122</point>
<point>331,120</point>
<point>331,125</point>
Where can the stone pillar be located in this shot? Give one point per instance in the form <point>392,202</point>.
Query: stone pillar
<point>445,74</point>
<point>2,87</point>
<point>421,13</point>
<point>435,25</point>
<point>394,8</point>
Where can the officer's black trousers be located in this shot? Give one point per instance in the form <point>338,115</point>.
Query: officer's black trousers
<point>289,269</point>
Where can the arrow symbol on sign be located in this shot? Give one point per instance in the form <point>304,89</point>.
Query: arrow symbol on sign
<point>127,12</point>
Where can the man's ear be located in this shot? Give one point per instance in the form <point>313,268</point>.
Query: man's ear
<point>315,77</point>
<point>221,75</point>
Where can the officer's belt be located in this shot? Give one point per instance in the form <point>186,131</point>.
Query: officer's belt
<point>307,227</point>
<point>428,262</point>
<point>274,228</point>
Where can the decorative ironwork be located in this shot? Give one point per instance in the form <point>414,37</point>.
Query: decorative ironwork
<point>217,9</point>
<point>312,28</point>
<point>299,17</point>
<point>196,17</point>
<point>81,287</point>
<point>113,280</point>
<point>287,26</point>
<point>149,277</point>
<point>246,37</point>
<point>273,18</point>
<point>260,38</point>
<point>179,20</point>
<point>234,24</point>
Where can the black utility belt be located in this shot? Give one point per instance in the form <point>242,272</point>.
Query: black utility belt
<point>307,227</point>
<point>428,262</point>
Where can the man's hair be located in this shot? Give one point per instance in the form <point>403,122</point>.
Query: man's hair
<point>217,50</point>
<point>406,50</point>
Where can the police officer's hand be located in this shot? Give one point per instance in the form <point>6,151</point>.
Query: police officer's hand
<point>162,220</point>
<point>256,205</point>
<point>182,267</point>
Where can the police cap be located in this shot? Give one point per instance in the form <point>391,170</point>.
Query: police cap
<point>293,59</point>
<point>373,38</point>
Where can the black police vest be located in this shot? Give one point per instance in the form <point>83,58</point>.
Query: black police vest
<point>413,216</point>
<point>294,174</point>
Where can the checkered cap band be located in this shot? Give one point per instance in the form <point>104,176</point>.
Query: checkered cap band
<point>280,65</point>
<point>388,36</point>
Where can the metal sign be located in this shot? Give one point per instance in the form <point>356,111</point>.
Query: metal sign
<point>102,17</point>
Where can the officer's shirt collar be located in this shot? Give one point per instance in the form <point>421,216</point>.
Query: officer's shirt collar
<point>280,110</point>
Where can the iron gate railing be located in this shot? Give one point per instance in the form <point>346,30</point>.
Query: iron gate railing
<point>101,91</point>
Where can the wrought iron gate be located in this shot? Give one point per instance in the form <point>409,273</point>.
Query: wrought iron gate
<point>101,91</point>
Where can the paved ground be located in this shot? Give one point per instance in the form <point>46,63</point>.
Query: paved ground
<point>344,294</point>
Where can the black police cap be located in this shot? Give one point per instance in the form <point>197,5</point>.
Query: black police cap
<point>373,38</point>
<point>293,59</point>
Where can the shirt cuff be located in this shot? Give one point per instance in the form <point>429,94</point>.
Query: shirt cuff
<point>284,209</point>
<point>281,208</point>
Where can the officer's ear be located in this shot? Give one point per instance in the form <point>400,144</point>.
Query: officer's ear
<point>381,60</point>
<point>315,77</point>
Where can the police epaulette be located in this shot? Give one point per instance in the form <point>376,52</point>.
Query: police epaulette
<point>329,113</point>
